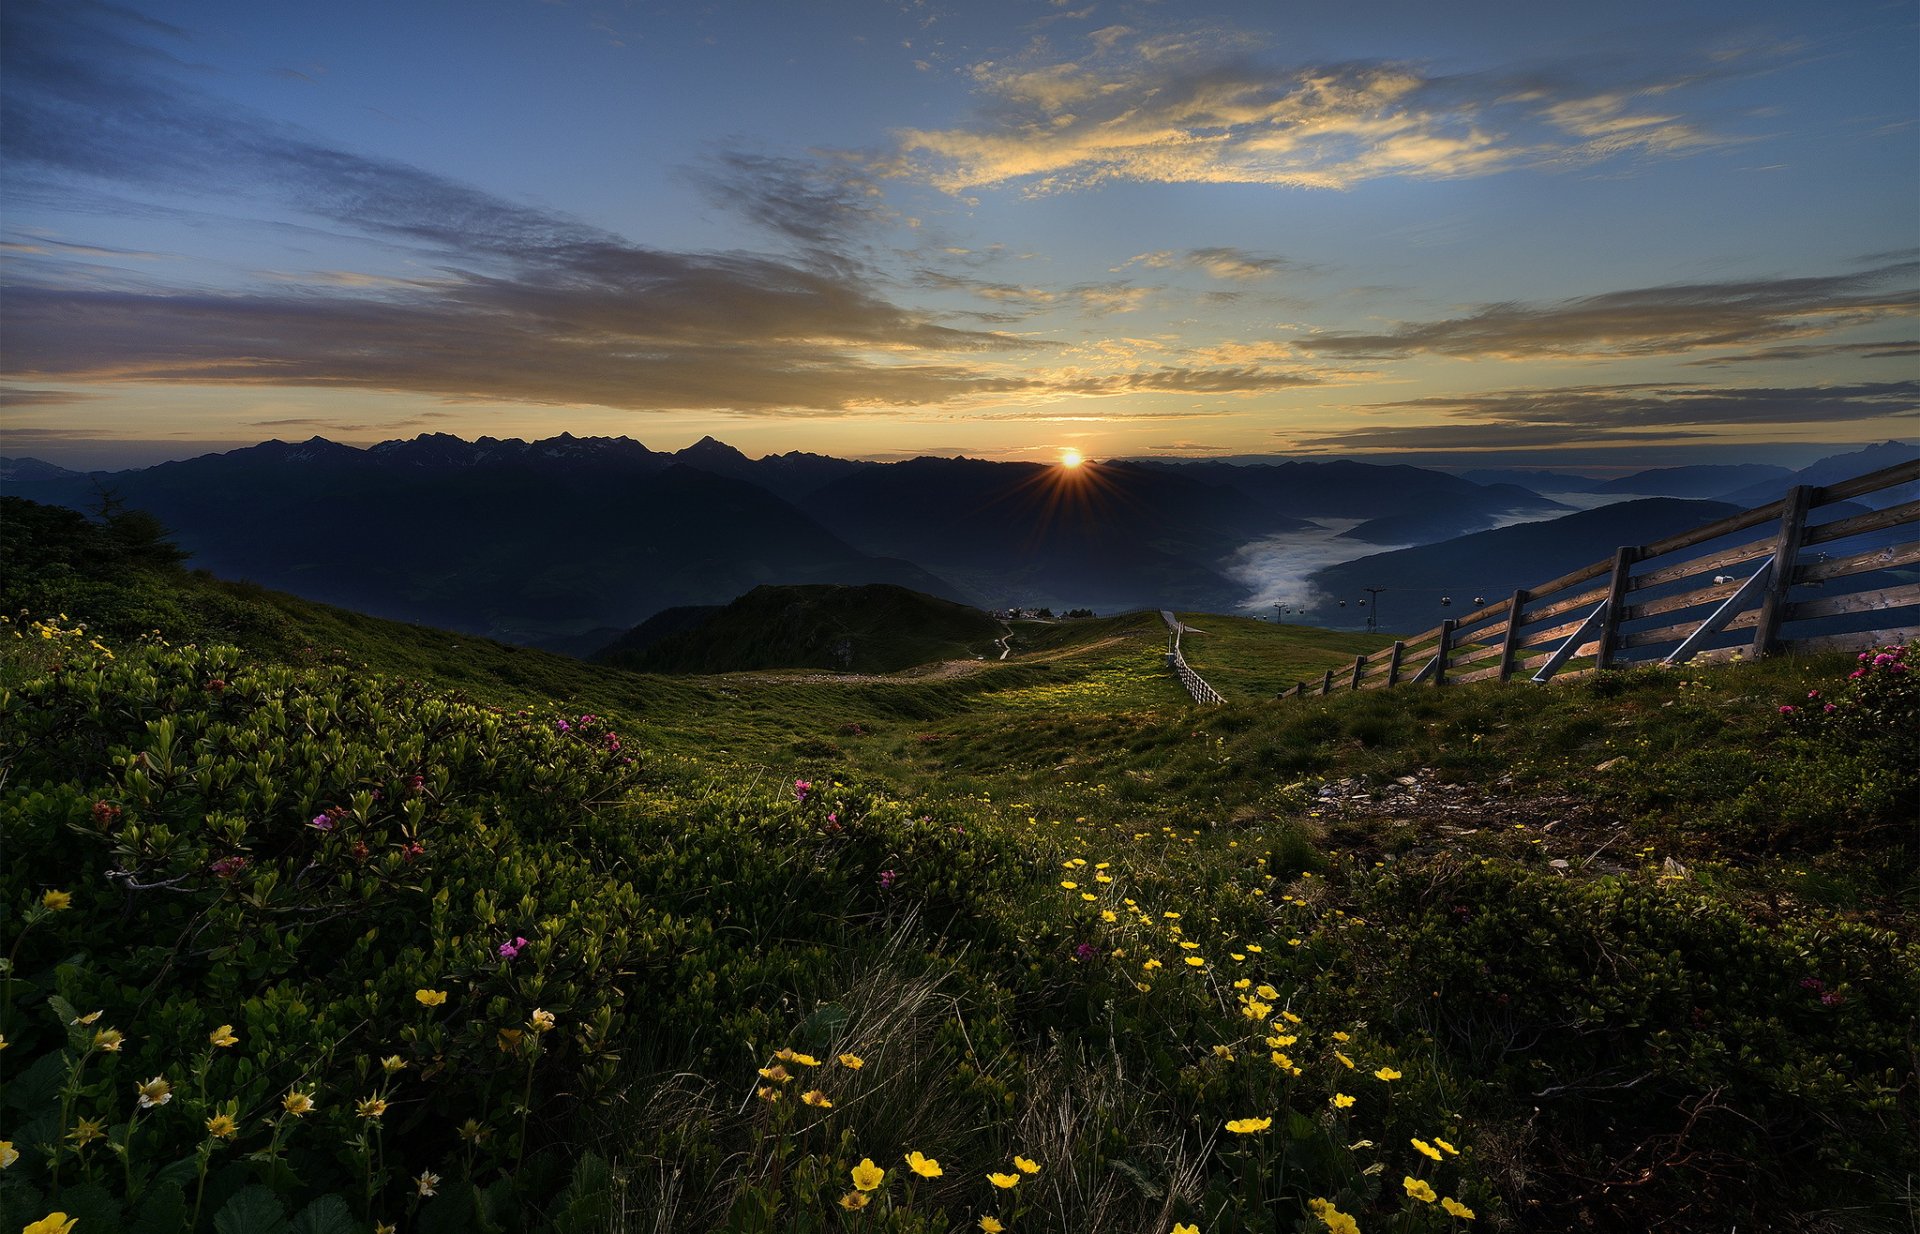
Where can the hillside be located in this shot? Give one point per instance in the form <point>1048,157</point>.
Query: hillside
<point>877,629</point>
<point>1636,953</point>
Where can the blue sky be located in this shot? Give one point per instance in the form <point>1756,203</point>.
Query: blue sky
<point>1575,235</point>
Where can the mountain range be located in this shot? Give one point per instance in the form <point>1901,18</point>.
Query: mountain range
<point>565,542</point>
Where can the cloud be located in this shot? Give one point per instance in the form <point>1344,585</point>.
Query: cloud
<point>1202,107</point>
<point>822,203</point>
<point>1645,321</point>
<point>30,396</point>
<point>1617,414</point>
<point>525,303</point>
<point>1893,349</point>
<point>1220,261</point>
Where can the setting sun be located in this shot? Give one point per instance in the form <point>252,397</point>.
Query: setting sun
<point>1070,458</point>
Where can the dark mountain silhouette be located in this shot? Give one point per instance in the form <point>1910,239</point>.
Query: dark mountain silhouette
<point>1104,535</point>
<point>1493,564</point>
<point>793,475</point>
<point>1706,481</point>
<point>1537,481</point>
<point>516,540</point>
<point>873,629</point>
<point>1400,504</point>
<point>1837,467</point>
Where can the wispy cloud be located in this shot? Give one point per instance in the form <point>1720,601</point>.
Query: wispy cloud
<point>823,203</point>
<point>1643,321</point>
<point>1615,414</point>
<point>1203,107</point>
<point>525,303</point>
<point>1218,261</point>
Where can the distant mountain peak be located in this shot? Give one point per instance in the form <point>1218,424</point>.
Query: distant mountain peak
<point>710,449</point>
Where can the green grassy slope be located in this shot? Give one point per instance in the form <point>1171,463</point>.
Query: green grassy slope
<point>1634,953</point>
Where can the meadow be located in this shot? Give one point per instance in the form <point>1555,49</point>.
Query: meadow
<point>318,923</point>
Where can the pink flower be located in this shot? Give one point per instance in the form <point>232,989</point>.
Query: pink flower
<point>801,788</point>
<point>888,878</point>
<point>322,822</point>
<point>1786,711</point>
<point>562,726</point>
<point>510,951</point>
<point>227,867</point>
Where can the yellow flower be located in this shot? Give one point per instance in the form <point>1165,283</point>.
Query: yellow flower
<point>925,1167</point>
<point>852,1062</point>
<point>1025,1166</point>
<point>509,1039</point>
<point>1418,1189</point>
<point>1291,1018</point>
<point>1282,1041</point>
<point>1185,1229</point>
<point>154,1092</point>
<point>814,1096</point>
<point>1221,1051</point>
<point>1340,1101</point>
<point>853,1201</point>
<point>297,1103</point>
<point>52,1223</point>
<point>989,1225</point>
<point>1069,884</point>
<point>8,1154</point>
<point>223,1036</point>
<point>222,1127</point>
<point>766,1092</point>
<point>1386,1073</point>
<point>1336,1221</point>
<point>3,1041</point>
<point>1281,1061</point>
<point>87,1131</point>
<point>392,1063</point>
<point>776,1073</point>
<point>1344,1060</point>
<point>1456,1209</point>
<point>1343,1037</point>
<point>57,901</point>
<point>867,1176</point>
<point>1445,1147</point>
<point>429,998</point>
<point>1247,1126</point>
<point>1150,965</point>
<point>1194,961</point>
<point>1004,1180</point>
<point>88,1018</point>
<point>385,1227</point>
<point>1267,991</point>
<point>541,1021</point>
<point>1426,1149</point>
<point>108,1040</point>
<point>794,1056</point>
<point>371,1107</point>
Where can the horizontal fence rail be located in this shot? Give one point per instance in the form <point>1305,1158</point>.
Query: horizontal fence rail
<point>1817,570</point>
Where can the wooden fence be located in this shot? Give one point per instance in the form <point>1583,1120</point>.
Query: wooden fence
<point>1195,684</point>
<point>1814,571</point>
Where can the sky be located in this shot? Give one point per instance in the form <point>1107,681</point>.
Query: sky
<point>1490,233</point>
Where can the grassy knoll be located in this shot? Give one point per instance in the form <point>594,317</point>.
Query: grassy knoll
<point>384,931</point>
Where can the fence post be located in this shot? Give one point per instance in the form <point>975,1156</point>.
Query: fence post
<point>1510,645</point>
<point>1440,653</point>
<point>1393,664</point>
<point>1786,547</point>
<point>1326,683</point>
<point>1623,559</point>
<point>1359,667</point>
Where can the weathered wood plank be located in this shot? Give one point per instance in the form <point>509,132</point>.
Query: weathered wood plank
<point>1485,674</point>
<point>1618,584</point>
<point>1889,558</point>
<point>1857,602</point>
<point>1873,520</point>
<point>1786,551</point>
<point>1700,565</point>
<point>1680,630</point>
<point>1535,638</point>
<point>1586,599</point>
<point>1475,655</point>
<point>1394,655</point>
<point>1510,643</point>
<point>1872,482</point>
<point>1686,599</point>
<point>1713,531</point>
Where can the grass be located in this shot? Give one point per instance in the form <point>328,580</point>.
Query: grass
<point>1642,949</point>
